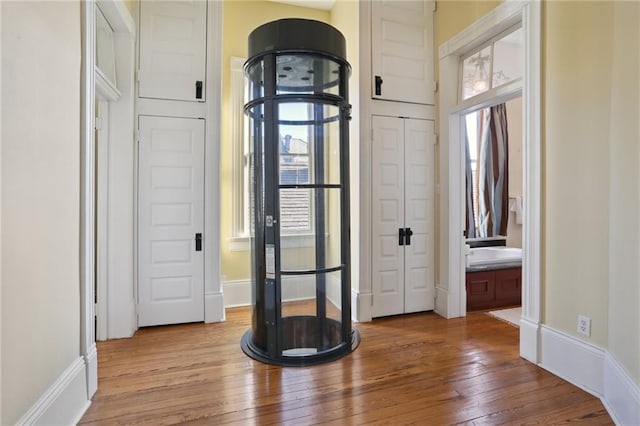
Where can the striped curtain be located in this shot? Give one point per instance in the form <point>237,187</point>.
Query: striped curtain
<point>493,172</point>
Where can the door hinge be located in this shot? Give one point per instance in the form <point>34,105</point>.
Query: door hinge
<point>138,75</point>
<point>435,87</point>
<point>435,5</point>
<point>436,138</point>
<point>95,309</point>
<point>98,123</point>
<point>136,135</point>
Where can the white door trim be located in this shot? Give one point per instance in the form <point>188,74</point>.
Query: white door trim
<point>87,198</point>
<point>451,300</point>
<point>213,304</point>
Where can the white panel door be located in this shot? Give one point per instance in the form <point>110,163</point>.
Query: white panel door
<point>173,36</point>
<point>402,188</point>
<point>170,214</point>
<point>402,50</point>
<point>419,278</point>
<point>387,212</point>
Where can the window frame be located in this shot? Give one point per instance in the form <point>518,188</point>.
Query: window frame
<point>240,238</point>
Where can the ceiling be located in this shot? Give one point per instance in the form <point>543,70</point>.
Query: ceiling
<point>314,4</point>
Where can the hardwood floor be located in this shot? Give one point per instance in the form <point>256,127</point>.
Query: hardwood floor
<point>411,369</point>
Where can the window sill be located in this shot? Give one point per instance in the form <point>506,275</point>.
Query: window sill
<point>288,241</point>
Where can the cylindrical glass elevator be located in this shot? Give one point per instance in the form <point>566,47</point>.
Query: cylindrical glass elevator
<point>298,114</point>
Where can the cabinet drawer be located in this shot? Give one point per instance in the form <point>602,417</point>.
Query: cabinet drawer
<point>480,290</point>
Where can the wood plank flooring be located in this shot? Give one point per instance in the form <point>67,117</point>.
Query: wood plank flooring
<point>411,369</point>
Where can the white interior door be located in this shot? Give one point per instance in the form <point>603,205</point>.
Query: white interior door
<point>387,213</point>
<point>170,214</point>
<point>419,279</point>
<point>403,182</point>
<point>173,37</point>
<point>402,50</point>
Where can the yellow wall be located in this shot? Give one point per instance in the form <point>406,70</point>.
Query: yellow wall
<point>40,199</point>
<point>132,5</point>
<point>345,17</point>
<point>591,157</point>
<point>451,17</point>
<point>624,190</point>
<point>577,99</point>
<point>240,18</point>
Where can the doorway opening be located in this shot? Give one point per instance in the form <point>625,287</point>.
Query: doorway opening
<point>451,295</point>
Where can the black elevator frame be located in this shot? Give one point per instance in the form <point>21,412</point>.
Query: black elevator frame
<point>273,337</point>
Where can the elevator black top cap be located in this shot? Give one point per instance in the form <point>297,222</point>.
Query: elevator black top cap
<point>297,35</point>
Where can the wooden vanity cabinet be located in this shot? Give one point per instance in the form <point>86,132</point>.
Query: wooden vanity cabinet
<point>494,288</point>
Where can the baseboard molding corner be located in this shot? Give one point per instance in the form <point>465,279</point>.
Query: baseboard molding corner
<point>529,340</point>
<point>236,293</point>
<point>621,395</point>
<point>572,359</point>
<point>361,306</point>
<point>91,364</point>
<point>64,402</point>
<point>442,301</point>
<point>213,307</point>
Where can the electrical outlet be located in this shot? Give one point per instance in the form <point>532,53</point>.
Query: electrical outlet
<point>584,325</point>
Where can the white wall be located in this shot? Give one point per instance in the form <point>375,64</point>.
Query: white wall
<point>40,198</point>
<point>514,124</point>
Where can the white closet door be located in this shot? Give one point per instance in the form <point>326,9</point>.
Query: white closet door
<point>387,211</point>
<point>419,279</point>
<point>402,50</point>
<point>173,37</point>
<point>170,214</point>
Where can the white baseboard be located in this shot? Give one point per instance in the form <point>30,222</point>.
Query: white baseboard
<point>621,394</point>
<point>361,304</point>
<point>572,359</point>
<point>91,365</point>
<point>529,340</point>
<point>236,293</point>
<point>64,402</point>
<point>213,307</point>
<point>334,287</point>
<point>442,302</point>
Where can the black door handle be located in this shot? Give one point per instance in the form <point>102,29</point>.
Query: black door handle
<point>408,233</point>
<point>378,85</point>
<point>198,241</point>
<point>198,90</point>
<point>401,236</point>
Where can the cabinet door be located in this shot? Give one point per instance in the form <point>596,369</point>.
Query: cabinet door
<point>419,287</point>
<point>173,37</point>
<point>402,50</point>
<point>508,286</point>
<point>387,215</point>
<point>481,290</point>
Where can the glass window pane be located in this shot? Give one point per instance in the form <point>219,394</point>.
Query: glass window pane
<point>105,57</point>
<point>507,58</point>
<point>475,73</point>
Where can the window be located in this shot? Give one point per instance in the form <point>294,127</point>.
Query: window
<point>294,147</point>
<point>105,67</point>
<point>492,65</point>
